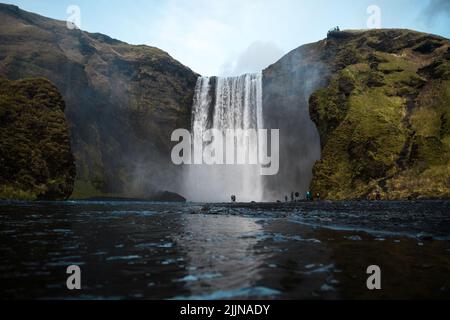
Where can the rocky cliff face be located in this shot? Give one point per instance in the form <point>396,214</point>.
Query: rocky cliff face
<point>287,86</point>
<point>122,101</point>
<point>382,109</point>
<point>36,159</point>
<point>359,112</point>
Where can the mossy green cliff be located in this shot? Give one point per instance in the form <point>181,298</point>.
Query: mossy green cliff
<point>36,160</point>
<point>122,101</point>
<point>380,105</point>
<point>379,101</point>
<point>384,116</point>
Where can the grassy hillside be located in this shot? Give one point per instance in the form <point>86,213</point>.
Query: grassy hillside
<point>36,160</point>
<point>122,101</point>
<point>384,116</point>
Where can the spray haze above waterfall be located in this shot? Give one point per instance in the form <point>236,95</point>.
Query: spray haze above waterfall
<point>273,100</point>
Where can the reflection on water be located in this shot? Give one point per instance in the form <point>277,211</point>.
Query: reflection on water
<point>219,251</point>
<point>178,251</point>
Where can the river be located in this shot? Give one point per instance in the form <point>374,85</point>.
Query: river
<point>146,250</point>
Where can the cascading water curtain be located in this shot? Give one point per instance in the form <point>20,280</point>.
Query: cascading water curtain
<point>226,103</point>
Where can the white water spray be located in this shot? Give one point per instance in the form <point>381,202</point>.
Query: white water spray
<point>227,103</point>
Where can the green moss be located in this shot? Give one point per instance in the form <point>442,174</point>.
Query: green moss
<point>85,189</point>
<point>123,101</point>
<point>13,192</point>
<point>35,154</point>
<point>366,145</point>
<point>433,182</point>
<point>393,63</point>
<point>390,132</point>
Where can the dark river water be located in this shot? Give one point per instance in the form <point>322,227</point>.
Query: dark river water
<point>132,250</point>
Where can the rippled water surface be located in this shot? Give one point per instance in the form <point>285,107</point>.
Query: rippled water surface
<point>131,250</point>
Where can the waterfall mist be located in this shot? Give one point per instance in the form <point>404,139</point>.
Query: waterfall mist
<point>226,103</point>
<point>277,98</point>
<point>288,85</point>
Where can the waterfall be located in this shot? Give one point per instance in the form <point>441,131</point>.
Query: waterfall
<point>226,103</point>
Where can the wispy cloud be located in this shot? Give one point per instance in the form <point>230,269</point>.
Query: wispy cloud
<point>256,57</point>
<point>437,9</point>
<point>216,37</point>
<point>219,37</point>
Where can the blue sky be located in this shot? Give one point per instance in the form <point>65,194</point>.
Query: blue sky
<point>230,37</point>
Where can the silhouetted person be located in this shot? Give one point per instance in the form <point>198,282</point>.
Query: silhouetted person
<point>297,195</point>
<point>233,198</point>
<point>286,198</point>
<point>309,196</point>
<point>292,196</point>
<point>318,196</point>
<point>378,195</point>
